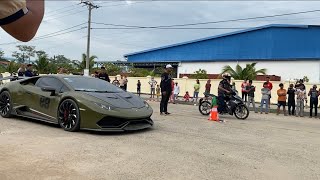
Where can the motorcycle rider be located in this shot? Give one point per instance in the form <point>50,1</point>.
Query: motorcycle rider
<point>224,89</point>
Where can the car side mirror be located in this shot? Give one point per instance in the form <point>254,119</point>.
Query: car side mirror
<point>49,89</point>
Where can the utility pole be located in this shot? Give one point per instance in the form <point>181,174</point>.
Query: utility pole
<point>90,7</point>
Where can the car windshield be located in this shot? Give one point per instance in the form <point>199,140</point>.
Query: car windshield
<point>89,84</point>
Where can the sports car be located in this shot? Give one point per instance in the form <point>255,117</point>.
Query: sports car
<point>75,102</point>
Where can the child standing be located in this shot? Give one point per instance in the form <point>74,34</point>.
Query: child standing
<point>250,91</point>
<point>139,87</point>
<point>176,91</point>
<point>265,91</point>
<point>301,97</point>
<point>313,93</point>
<point>291,100</point>
<point>282,97</point>
<point>158,92</point>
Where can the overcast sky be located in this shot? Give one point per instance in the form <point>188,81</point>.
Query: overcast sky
<point>111,44</point>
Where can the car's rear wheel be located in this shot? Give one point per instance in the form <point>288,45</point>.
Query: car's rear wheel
<point>5,104</point>
<point>69,115</point>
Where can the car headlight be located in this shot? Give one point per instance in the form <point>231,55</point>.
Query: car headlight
<point>104,106</point>
<point>146,104</point>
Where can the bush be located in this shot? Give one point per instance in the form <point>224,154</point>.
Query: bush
<point>200,74</point>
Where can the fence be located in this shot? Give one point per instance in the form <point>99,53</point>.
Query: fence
<point>187,85</point>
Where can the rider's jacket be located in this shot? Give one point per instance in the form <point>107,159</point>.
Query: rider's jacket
<point>224,84</point>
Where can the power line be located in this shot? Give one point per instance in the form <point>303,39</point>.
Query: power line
<point>48,35</point>
<point>181,28</point>
<point>210,22</point>
<point>56,10</point>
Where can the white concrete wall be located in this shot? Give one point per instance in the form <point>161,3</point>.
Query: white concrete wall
<point>286,69</point>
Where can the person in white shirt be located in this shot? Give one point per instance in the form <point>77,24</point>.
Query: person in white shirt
<point>176,92</point>
<point>153,84</point>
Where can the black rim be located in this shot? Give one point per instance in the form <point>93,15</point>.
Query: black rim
<point>68,115</point>
<point>241,112</point>
<point>4,104</point>
<point>205,107</point>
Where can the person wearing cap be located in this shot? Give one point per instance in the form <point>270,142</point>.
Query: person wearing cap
<point>166,89</point>
<point>282,97</point>
<point>314,94</point>
<point>103,74</point>
<point>21,18</point>
<point>224,89</point>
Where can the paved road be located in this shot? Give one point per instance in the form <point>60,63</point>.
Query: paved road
<point>184,145</point>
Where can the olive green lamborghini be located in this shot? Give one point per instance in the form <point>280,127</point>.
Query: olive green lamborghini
<point>74,102</point>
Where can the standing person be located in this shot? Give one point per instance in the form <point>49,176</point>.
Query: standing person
<point>172,93</point>
<point>196,88</point>
<point>265,91</point>
<point>122,82</point>
<point>314,94</point>
<point>21,19</point>
<point>291,100</point>
<point>158,92</point>
<point>103,74</point>
<point>269,86</point>
<point>301,97</point>
<point>166,89</point>
<point>29,71</point>
<point>139,87</point>
<point>116,82</point>
<point>243,90</point>
<point>208,87</point>
<point>176,91</point>
<point>22,70</point>
<point>250,89</point>
<point>125,83</point>
<point>152,84</point>
<point>282,98</point>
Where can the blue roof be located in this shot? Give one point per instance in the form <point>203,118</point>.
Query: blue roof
<point>223,35</point>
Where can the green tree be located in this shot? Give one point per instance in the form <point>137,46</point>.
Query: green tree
<point>42,63</point>
<point>1,55</point>
<point>112,69</point>
<point>91,61</point>
<point>13,67</point>
<point>239,73</point>
<point>25,53</point>
<point>139,72</point>
<point>200,74</point>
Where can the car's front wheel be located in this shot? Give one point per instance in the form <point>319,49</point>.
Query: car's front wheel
<point>5,104</point>
<point>69,115</point>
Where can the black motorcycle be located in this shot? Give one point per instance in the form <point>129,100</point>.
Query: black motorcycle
<point>234,105</point>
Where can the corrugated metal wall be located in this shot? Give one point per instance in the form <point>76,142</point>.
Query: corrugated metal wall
<point>263,44</point>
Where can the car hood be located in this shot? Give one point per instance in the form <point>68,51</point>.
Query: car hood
<point>119,100</point>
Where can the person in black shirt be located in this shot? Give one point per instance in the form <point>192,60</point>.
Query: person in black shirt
<point>139,87</point>
<point>103,74</point>
<point>223,90</point>
<point>291,100</point>
<point>166,89</point>
<point>300,83</point>
<point>29,71</point>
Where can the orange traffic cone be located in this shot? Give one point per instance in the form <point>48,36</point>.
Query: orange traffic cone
<point>214,115</point>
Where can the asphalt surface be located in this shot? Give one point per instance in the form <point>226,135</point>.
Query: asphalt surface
<point>184,145</point>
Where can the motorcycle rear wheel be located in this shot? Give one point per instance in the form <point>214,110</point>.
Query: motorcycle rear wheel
<point>241,112</point>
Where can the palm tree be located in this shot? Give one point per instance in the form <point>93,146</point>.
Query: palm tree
<point>249,72</point>
<point>83,62</point>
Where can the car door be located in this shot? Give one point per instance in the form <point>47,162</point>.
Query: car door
<point>44,103</point>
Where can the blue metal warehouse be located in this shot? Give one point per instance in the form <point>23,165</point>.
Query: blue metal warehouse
<point>276,43</point>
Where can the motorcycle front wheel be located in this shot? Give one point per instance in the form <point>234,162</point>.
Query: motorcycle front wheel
<point>241,112</point>
<point>205,107</point>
